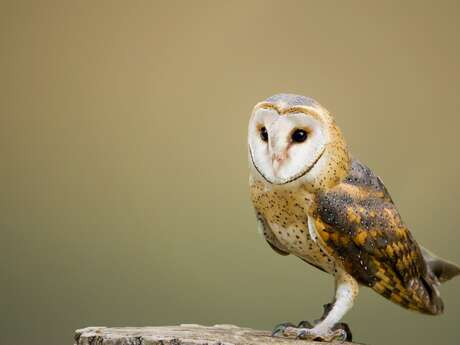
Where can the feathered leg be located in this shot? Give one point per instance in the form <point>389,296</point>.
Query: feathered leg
<point>329,328</point>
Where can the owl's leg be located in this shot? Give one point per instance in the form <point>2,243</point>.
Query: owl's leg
<point>329,328</point>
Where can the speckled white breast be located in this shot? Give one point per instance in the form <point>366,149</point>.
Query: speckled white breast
<point>286,214</point>
<point>296,240</point>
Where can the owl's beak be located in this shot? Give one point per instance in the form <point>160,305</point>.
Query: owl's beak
<point>278,159</point>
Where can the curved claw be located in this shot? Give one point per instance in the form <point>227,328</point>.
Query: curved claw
<point>343,326</point>
<point>303,334</point>
<point>340,335</point>
<point>304,324</point>
<point>281,327</point>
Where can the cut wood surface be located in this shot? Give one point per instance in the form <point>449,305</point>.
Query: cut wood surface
<point>182,335</point>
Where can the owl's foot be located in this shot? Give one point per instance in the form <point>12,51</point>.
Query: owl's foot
<point>305,330</point>
<point>321,334</point>
<point>315,333</point>
<point>280,328</point>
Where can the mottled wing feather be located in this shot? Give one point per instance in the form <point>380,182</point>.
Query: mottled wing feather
<point>359,224</point>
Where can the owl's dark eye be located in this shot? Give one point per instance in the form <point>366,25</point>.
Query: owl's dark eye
<point>299,136</point>
<point>263,134</point>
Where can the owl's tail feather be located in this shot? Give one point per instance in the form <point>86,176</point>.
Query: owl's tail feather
<point>442,269</point>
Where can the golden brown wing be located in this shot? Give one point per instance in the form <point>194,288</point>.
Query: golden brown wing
<point>360,226</point>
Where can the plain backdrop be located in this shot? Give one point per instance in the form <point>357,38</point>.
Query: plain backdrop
<point>123,177</point>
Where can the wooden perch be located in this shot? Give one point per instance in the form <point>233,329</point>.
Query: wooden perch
<point>182,335</point>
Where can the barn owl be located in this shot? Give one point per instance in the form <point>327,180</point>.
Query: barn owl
<point>314,201</point>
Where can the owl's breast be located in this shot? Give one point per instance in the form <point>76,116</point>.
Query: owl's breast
<point>286,214</point>
<point>296,240</point>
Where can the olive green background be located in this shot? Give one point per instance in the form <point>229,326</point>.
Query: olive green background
<point>123,178</point>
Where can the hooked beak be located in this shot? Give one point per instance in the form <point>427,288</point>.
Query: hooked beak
<point>278,159</point>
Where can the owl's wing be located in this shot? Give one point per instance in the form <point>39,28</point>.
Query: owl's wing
<point>358,224</point>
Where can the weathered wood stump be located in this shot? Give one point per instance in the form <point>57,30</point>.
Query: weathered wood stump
<point>182,335</point>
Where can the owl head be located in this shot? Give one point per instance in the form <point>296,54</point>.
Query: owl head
<point>293,140</point>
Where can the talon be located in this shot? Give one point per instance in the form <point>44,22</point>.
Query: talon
<point>304,324</point>
<point>281,328</point>
<point>302,334</point>
<point>346,329</point>
<point>274,332</point>
<point>340,335</point>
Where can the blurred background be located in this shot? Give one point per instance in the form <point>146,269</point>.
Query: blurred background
<point>124,197</point>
